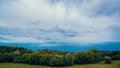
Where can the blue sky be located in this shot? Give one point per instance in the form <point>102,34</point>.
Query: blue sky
<point>55,22</point>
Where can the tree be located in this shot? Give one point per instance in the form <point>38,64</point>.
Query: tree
<point>45,59</point>
<point>69,59</point>
<point>89,57</point>
<point>57,61</point>
<point>77,56</point>
<point>107,60</point>
<point>35,59</point>
<point>85,58</point>
<point>1,57</point>
<point>6,57</point>
<point>53,61</point>
<point>17,59</point>
<point>97,55</point>
<point>25,58</point>
<point>80,58</point>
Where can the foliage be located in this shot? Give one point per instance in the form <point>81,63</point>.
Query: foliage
<point>69,59</point>
<point>107,60</point>
<point>54,57</point>
<point>57,61</point>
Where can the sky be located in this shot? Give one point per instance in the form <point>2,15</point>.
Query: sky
<point>55,22</point>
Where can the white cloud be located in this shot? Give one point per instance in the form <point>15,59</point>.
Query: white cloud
<point>39,18</point>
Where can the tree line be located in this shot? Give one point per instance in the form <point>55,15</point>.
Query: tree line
<point>54,57</point>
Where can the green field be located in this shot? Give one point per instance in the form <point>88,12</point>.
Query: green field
<point>115,64</point>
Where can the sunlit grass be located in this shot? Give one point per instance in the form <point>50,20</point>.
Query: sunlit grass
<point>115,64</point>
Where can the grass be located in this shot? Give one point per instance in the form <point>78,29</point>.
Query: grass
<point>115,64</point>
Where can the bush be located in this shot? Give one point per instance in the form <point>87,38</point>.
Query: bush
<point>107,60</point>
<point>81,58</point>
<point>69,59</point>
<point>45,59</point>
<point>97,55</point>
<point>34,59</point>
<point>90,56</point>
<point>57,61</point>
<point>6,57</point>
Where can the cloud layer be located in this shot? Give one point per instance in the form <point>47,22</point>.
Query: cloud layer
<point>59,21</point>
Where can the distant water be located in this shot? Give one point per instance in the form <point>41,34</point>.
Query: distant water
<point>109,46</point>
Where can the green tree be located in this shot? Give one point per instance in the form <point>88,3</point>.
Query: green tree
<point>79,58</point>
<point>57,61</point>
<point>23,59</point>
<point>35,59</point>
<point>69,59</point>
<point>7,57</point>
<point>97,55</point>
<point>107,60</point>
<point>1,57</point>
<point>45,59</point>
<point>89,57</point>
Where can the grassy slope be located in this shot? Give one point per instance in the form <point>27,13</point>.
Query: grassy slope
<point>115,64</point>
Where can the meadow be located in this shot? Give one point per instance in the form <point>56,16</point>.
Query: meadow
<point>114,64</point>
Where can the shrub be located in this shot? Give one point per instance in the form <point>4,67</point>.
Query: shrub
<point>69,59</point>
<point>107,60</point>
<point>57,61</point>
